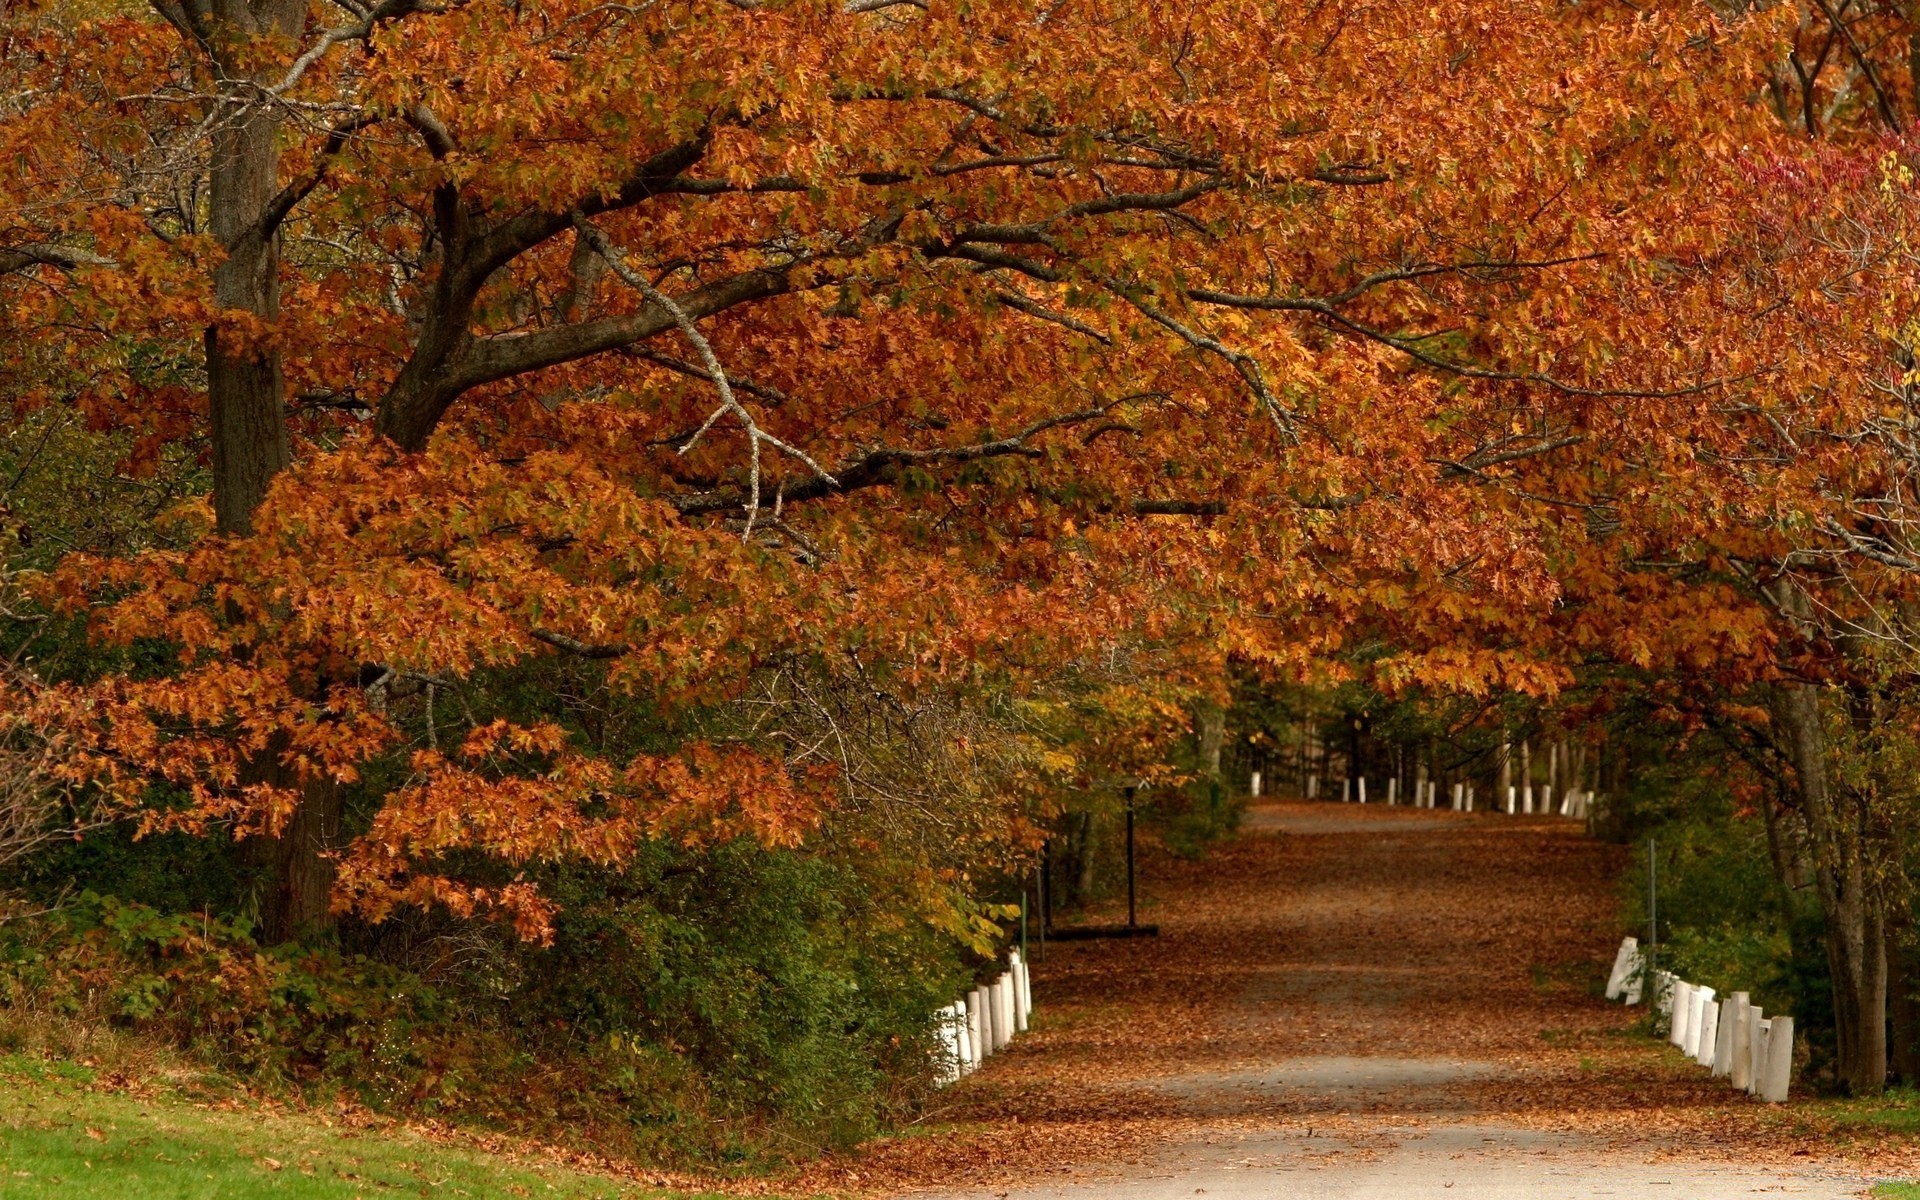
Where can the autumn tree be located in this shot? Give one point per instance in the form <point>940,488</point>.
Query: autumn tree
<point>922,344</point>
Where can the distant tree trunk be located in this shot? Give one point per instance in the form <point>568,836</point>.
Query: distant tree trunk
<point>1838,842</point>
<point>1526,770</point>
<point>245,384</point>
<point>1084,876</point>
<point>1210,731</point>
<point>1504,785</point>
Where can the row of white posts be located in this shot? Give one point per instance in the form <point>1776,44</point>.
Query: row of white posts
<point>1573,803</point>
<point>1733,1038</point>
<point>985,1020</point>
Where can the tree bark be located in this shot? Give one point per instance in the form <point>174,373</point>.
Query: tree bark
<point>1837,840</point>
<point>1504,785</point>
<point>246,391</point>
<point>1210,732</point>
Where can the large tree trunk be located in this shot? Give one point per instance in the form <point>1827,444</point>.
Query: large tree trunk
<point>246,388</point>
<point>1838,845</point>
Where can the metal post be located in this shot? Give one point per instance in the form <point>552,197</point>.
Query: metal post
<point>1046,889</point>
<point>1131,918</point>
<point>1653,909</point>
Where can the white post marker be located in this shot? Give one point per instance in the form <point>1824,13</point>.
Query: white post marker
<point>1706,1030</point>
<point>1254,787</point>
<point>1002,993</point>
<point>1779,1073</point>
<point>1740,1052</point>
<point>1663,992</point>
<point>1459,796</point>
<point>1363,789</point>
<point>1682,1013</point>
<point>1697,1003</point>
<point>950,1067</point>
<point>1636,979</point>
<point>1723,1034</point>
<point>969,1053</point>
<point>1313,787</point>
<point>990,1018</point>
<point>978,1025</point>
<point>1617,978</point>
<point>1762,1042</point>
<point>1393,791</point>
<point>1528,798</point>
<point>1346,789</point>
<point>955,1015</point>
<point>1022,999</point>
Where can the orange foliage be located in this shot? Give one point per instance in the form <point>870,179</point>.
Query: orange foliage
<point>1206,330</point>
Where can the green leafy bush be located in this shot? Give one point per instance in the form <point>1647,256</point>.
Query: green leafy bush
<point>722,1005</point>
<point>287,1013</point>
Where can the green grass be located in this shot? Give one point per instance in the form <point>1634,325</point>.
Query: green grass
<point>1896,1111</point>
<point>58,1139</point>
<point>1898,1191</point>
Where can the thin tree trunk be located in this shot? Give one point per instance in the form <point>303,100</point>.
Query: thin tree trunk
<point>1504,784</point>
<point>1210,728</point>
<point>1526,772</point>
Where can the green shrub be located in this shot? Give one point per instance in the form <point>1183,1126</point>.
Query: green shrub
<point>722,1005</point>
<point>283,1014</point>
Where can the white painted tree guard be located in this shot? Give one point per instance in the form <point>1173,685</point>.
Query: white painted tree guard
<point>1363,789</point>
<point>1002,996</point>
<point>1254,785</point>
<point>1681,1012</point>
<point>1459,797</point>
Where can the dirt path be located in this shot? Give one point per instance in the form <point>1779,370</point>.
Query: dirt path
<point>1358,1002</point>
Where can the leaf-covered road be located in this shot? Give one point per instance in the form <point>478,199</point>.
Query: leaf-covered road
<point>1352,1001</point>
